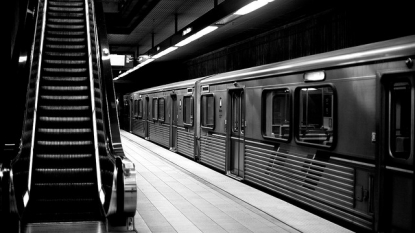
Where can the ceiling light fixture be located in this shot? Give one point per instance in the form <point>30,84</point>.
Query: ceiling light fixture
<point>197,35</point>
<point>135,68</point>
<point>164,52</point>
<point>252,6</point>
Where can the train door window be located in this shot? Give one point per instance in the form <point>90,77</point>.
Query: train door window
<point>315,112</point>
<point>140,108</point>
<point>135,108</point>
<point>276,114</point>
<point>154,108</point>
<point>400,109</point>
<point>235,112</point>
<point>126,107</point>
<point>160,111</point>
<point>188,110</point>
<point>208,111</point>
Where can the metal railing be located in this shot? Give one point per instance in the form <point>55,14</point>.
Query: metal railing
<point>92,89</point>
<point>36,101</point>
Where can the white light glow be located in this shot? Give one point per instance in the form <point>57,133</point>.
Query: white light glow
<point>25,199</point>
<point>314,76</point>
<point>102,196</point>
<point>22,59</point>
<point>144,63</point>
<point>164,52</point>
<point>135,68</point>
<point>197,35</point>
<point>117,60</point>
<point>252,6</point>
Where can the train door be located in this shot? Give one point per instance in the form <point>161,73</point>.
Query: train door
<point>174,117</point>
<point>396,164</point>
<point>147,113</point>
<point>126,113</point>
<point>237,133</point>
<point>131,114</point>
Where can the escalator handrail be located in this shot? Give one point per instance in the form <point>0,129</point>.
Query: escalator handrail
<point>92,93</point>
<point>112,123</point>
<point>124,190</point>
<point>37,95</point>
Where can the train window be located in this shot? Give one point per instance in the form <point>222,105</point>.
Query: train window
<point>276,115</point>
<point>188,110</point>
<point>161,108</point>
<point>315,107</point>
<point>208,111</point>
<point>135,108</point>
<point>140,108</point>
<point>126,107</point>
<point>154,109</point>
<point>400,119</point>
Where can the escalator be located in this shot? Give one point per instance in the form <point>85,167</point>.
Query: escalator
<point>67,169</point>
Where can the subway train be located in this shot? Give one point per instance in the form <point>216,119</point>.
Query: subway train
<point>333,132</point>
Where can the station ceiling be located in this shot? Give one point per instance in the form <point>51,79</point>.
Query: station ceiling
<point>139,27</point>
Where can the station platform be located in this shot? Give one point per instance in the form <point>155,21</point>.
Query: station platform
<point>176,194</point>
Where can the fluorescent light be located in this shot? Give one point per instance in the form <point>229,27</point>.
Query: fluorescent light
<point>145,62</point>
<point>252,6</point>
<point>197,35</point>
<point>164,52</point>
<point>135,68</point>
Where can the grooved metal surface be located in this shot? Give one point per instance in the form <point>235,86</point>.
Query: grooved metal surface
<point>322,184</point>
<point>159,134</point>
<point>138,127</point>
<point>212,151</point>
<point>185,144</point>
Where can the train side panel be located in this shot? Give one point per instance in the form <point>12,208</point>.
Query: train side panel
<point>337,176</point>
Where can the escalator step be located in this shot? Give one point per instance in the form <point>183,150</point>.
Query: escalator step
<point>64,143</point>
<point>65,40</point>
<point>70,4</point>
<point>65,33</point>
<point>71,27</point>
<point>64,131</point>
<point>64,119</point>
<point>66,70</point>
<point>65,14</point>
<point>52,174</point>
<point>65,20</point>
<point>65,46</point>
<point>48,97</point>
<point>64,156</point>
<point>65,54</point>
<point>66,9</point>
<point>65,79</point>
<point>65,88</point>
<point>64,108</point>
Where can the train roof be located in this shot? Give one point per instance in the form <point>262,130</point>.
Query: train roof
<point>389,49</point>
<point>170,86</point>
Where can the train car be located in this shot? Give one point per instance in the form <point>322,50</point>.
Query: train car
<point>125,111</point>
<point>165,115</point>
<point>333,131</point>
